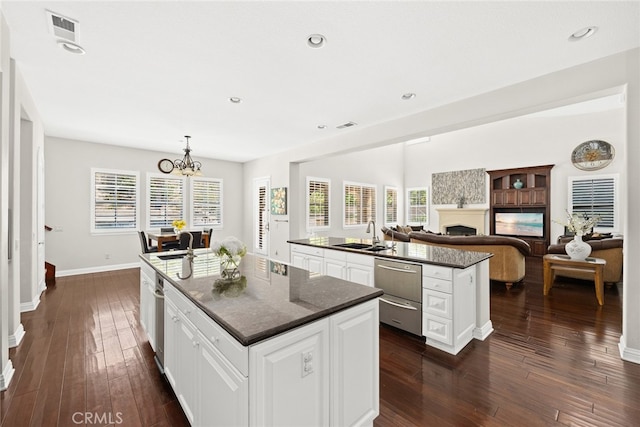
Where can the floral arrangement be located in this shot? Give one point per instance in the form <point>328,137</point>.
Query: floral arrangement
<point>179,224</point>
<point>580,224</point>
<point>230,247</point>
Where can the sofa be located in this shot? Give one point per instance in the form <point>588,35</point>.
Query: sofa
<point>395,234</point>
<point>609,249</point>
<point>509,253</point>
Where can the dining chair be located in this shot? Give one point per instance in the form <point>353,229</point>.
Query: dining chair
<point>144,246</point>
<point>197,240</point>
<point>210,236</point>
<point>167,246</point>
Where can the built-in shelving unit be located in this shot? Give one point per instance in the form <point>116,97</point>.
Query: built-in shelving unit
<point>531,196</point>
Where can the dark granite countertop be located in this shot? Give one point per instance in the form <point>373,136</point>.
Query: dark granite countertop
<point>405,251</point>
<point>272,298</point>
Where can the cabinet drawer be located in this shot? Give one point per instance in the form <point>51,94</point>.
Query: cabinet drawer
<point>307,250</point>
<point>437,303</point>
<point>441,285</point>
<point>360,259</point>
<point>437,328</point>
<point>182,303</point>
<point>437,272</point>
<point>333,254</point>
<point>230,348</point>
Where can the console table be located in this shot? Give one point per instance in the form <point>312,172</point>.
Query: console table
<point>591,265</point>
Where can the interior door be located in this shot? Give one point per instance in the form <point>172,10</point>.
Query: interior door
<point>261,216</point>
<point>40,273</point>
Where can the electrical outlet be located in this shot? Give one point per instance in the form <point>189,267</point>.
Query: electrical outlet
<point>307,363</point>
<point>107,256</point>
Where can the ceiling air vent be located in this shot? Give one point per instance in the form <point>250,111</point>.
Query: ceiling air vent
<point>62,27</point>
<point>346,125</point>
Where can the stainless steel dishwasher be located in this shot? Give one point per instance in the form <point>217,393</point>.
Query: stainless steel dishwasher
<point>401,304</point>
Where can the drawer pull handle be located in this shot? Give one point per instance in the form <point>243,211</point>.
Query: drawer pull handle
<point>397,269</point>
<point>408,307</point>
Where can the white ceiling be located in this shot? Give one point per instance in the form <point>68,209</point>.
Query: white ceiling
<point>155,71</point>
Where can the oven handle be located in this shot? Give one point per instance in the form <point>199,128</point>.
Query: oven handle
<point>396,269</point>
<point>158,294</point>
<point>408,307</point>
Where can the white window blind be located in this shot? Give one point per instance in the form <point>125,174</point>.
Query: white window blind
<point>595,196</point>
<point>391,206</point>
<point>359,204</point>
<point>317,203</point>
<point>206,206</point>
<point>114,201</point>
<point>166,201</point>
<point>417,208</point>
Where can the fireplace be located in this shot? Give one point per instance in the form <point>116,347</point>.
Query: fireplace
<point>460,230</point>
<point>475,219</point>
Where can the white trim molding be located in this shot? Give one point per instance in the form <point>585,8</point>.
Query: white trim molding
<point>6,376</point>
<point>16,338</point>
<point>627,353</point>
<point>98,269</point>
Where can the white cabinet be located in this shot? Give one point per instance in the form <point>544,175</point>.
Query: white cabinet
<point>360,269</point>
<point>290,378</point>
<point>322,373</point>
<point>448,306</point>
<point>307,257</point>
<point>147,303</point>
<point>209,387</point>
<point>335,263</point>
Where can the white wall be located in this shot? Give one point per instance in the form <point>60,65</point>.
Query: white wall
<point>531,140</point>
<point>73,249</point>
<point>381,167</point>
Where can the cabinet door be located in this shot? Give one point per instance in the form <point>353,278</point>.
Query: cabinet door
<point>144,303</point>
<point>355,365</point>
<point>362,274</point>
<point>314,264</point>
<point>170,341</point>
<point>298,260</point>
<point>151,314</point>
<point>187,352</point>
<point>335,268</point>
<point>290,378</point>
<point>223,392</point>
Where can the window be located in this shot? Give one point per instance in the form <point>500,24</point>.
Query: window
<point>166,201</point>
<point>596,195</point>
<point>114,200</point>
<point>417,208</point>
<point>206,202</point>
<point>359,204</point>
<point>391,206</point>
<point>317,203</point>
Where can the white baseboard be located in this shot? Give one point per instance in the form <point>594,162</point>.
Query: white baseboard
<point>16,337</point>
<point>7,374</point>
<point>628,354</point>
<point>31,305</point>
<point>484,331</point>
<point>98,269</point>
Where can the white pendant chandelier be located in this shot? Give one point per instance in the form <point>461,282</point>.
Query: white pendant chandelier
<point>187,166</point>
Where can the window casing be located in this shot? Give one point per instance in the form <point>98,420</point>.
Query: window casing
<point>417,206</point>
<point>206,202</point>
<point>115,200</point>
<point>318,197</point>
<point>390,206</point>
<point>165,200</point>
<point>596,195</point>
<point>359,204</point>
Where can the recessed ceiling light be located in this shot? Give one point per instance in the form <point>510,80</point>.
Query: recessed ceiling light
<point>71,47</point>
<point>316,40</point>
<point>583,33</point>
<point>322,126</point>
<point>235,100</point>
<point>408,95</point>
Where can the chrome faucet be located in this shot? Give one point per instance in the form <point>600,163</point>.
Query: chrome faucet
<point>375,240</point>
<point>189,258</point>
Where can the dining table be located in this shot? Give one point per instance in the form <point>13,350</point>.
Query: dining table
<point>170,236</point>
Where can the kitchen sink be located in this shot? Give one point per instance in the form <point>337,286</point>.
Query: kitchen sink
<point>171,256</point>
<point>376,248</point>
<point>353,245</point>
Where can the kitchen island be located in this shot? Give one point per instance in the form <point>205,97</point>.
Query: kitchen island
<point>451,306</point>
<point>280,346</point>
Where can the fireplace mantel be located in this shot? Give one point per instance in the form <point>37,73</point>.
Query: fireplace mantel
<point>470,217</point>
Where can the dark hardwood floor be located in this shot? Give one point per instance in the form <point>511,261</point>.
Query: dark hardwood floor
<point>550,361</point>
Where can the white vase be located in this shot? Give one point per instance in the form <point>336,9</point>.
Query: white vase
<point>577,249</point>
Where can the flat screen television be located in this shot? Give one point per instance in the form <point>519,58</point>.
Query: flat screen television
<point>519,224</point>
